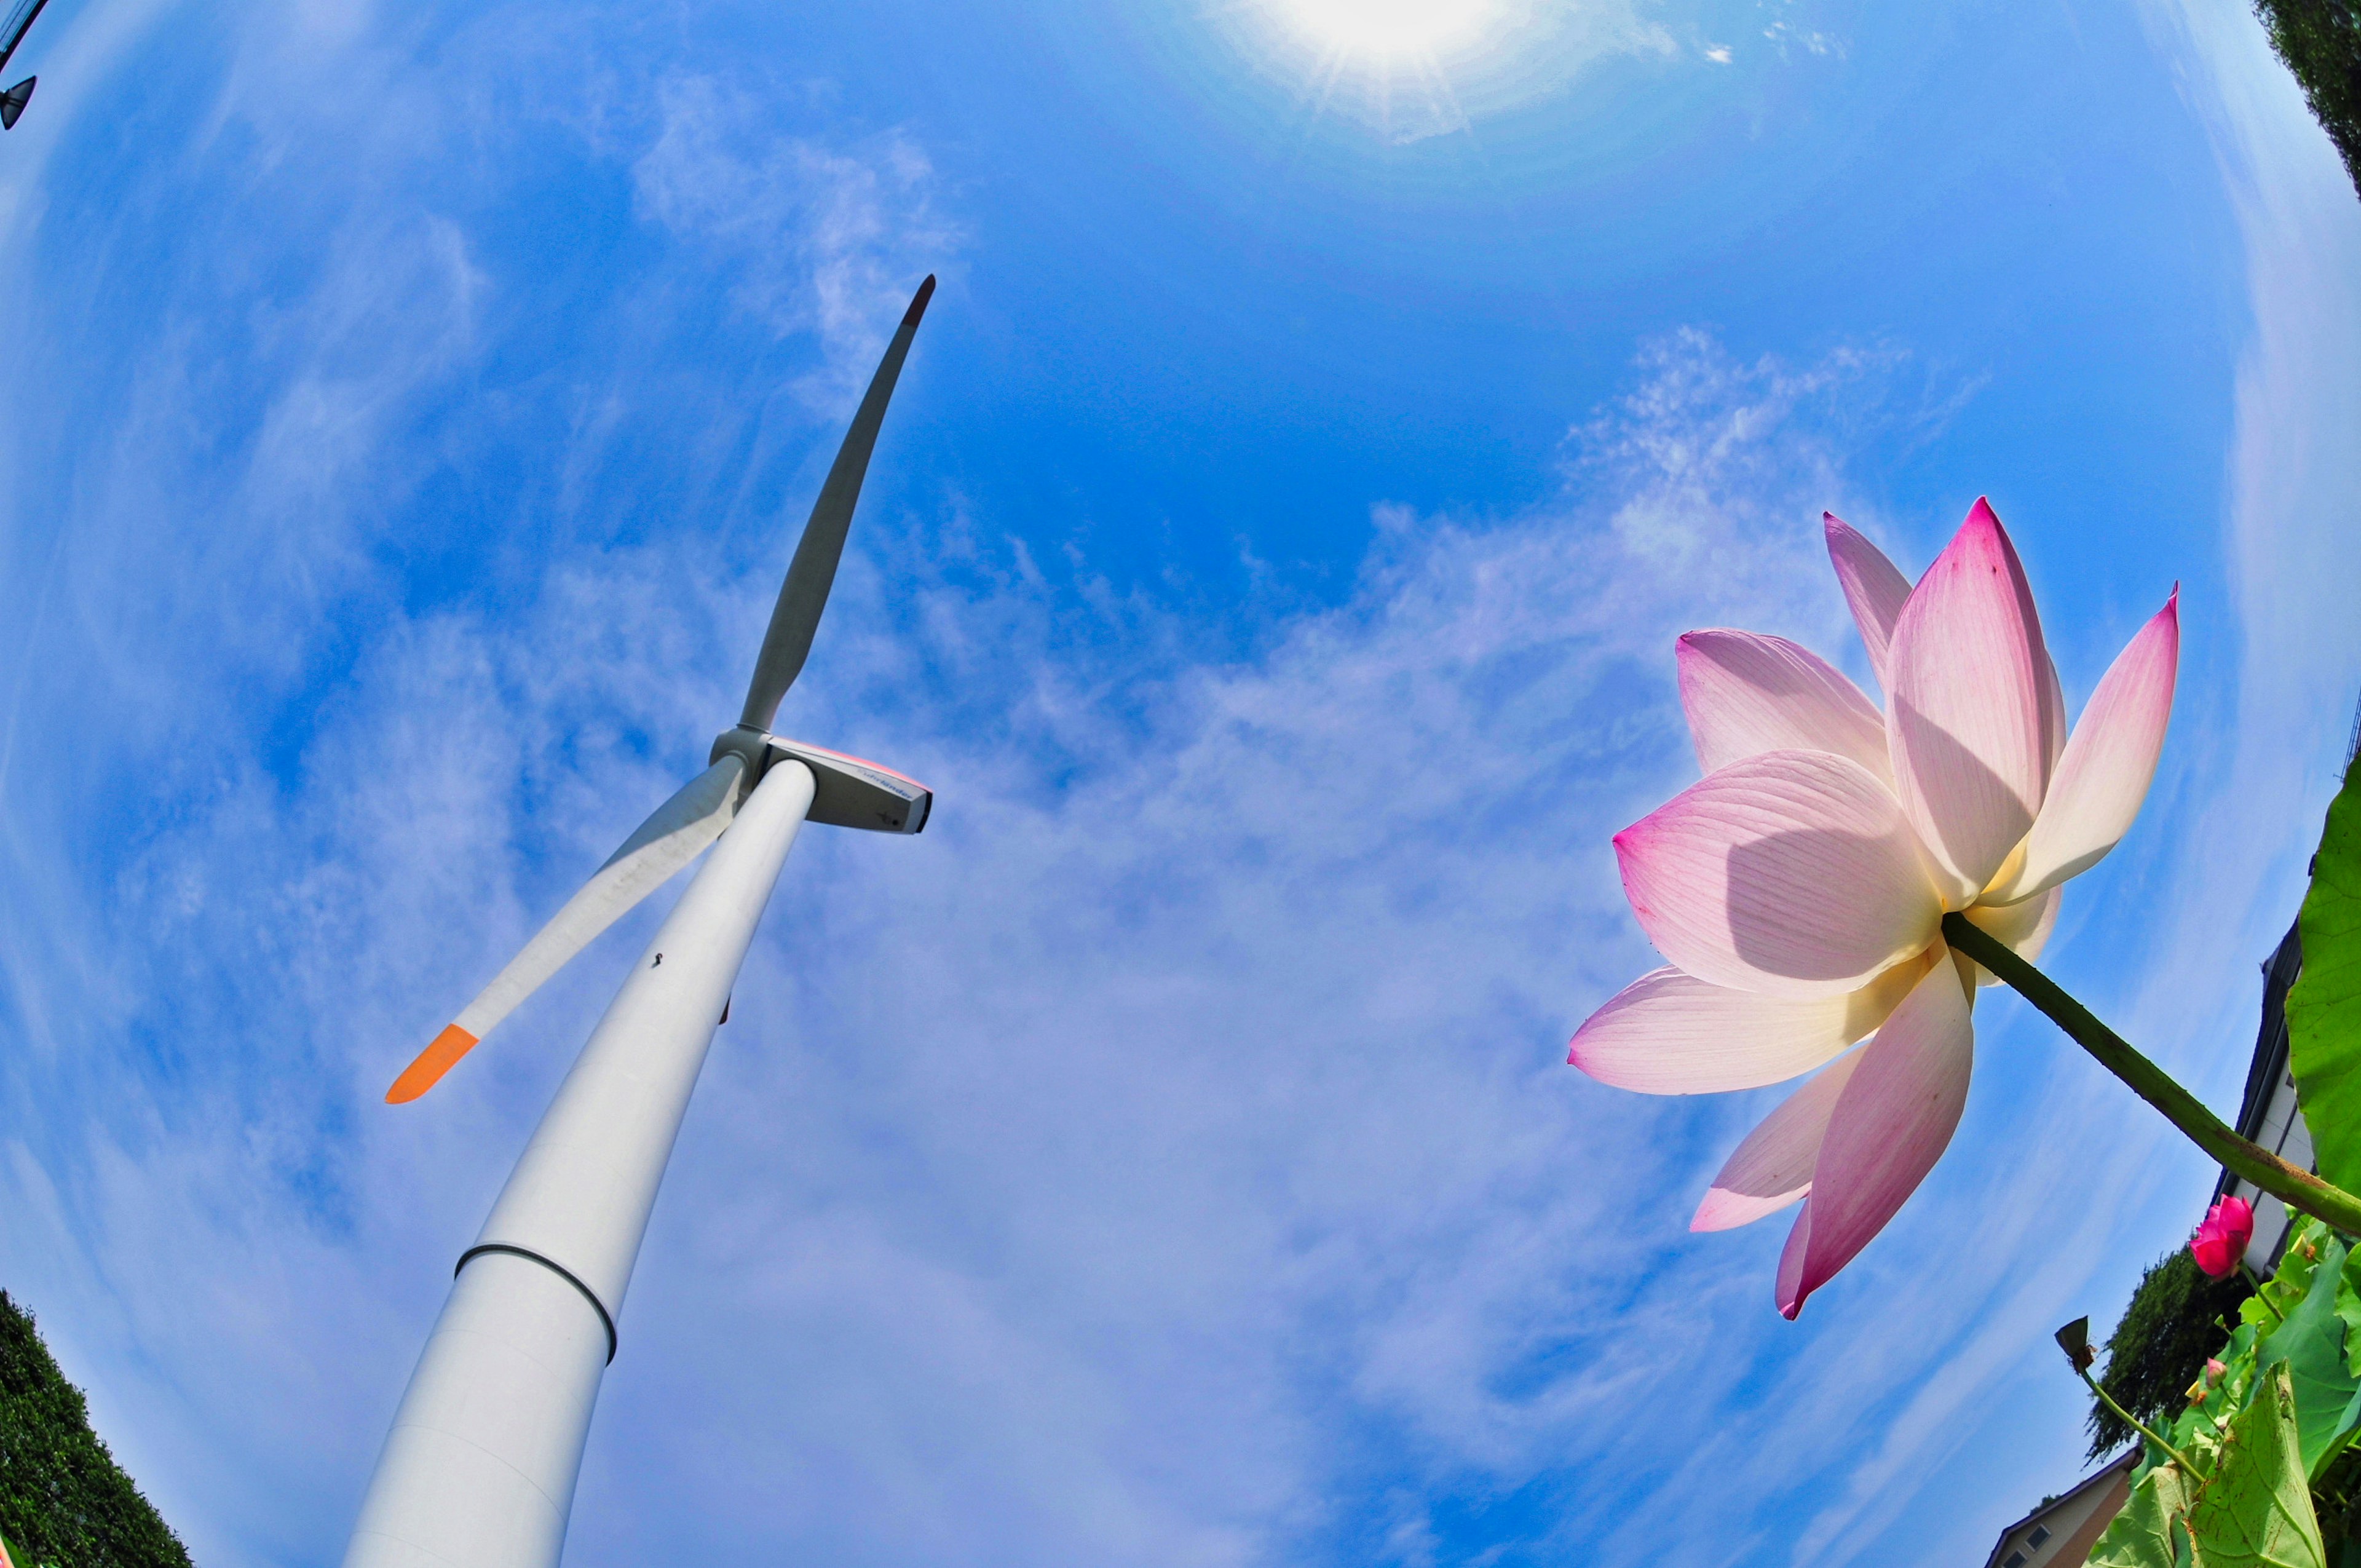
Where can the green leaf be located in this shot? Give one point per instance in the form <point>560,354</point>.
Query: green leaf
<point>2252,1509</point>
<point>2255,1511</point>
<point>2291,1282</point>
<point>2324,1010</point>
<point>2283,1292</point>
<point>2348,1308</point>
<point>2149,1531</point>
<point>2237,1358</point>
<point>2311,1345</point>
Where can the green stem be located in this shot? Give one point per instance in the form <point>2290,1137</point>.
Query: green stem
<point>2296,1189</point>
<point>2141,1427</point>
<point>2257,1281</point>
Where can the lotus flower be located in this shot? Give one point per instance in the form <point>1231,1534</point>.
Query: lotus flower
<point>1799,888</point>
<point>2219,1244</point>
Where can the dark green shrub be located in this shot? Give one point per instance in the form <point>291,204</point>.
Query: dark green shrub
<point>2321,42</point>
<point>2174,1321</point>
<point>62,1499</point>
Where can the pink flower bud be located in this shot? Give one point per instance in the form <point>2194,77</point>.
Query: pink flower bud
<point>2213,1371</point>
<point>2221,1240</point>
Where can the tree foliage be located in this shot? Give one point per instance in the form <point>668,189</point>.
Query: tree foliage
<point>62,1498</point>
<point>2174,1321</point>
<point>2321,42</point>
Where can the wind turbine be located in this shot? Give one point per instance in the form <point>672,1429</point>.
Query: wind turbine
<point>13,30</point>
<point>478,1470</point>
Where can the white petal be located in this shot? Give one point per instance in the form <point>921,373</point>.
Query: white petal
<point>1746,694</point>
<point>1874,586</point>
<point>1967,705</point>
<point>1893,1121</point>
<point>2024,927</point>
<point>1773,1167</point>
<point>1668,1033</point>
<point>2108,764</point>
<point>1791,873</point>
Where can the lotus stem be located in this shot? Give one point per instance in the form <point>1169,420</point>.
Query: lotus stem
<point>2256,1281</point>
<point>2142,1427</point>
<point>2297,1189</point>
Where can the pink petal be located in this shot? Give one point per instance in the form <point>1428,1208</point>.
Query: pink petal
<point>1747,694</point>
<point>1892,1123</point>
<point>1668,1033</point>
<point>1773,1167</point>
<point>1790,1284</point>
<point>2215,1254</point>
<point>1874,586</point>
<point>2025,927</point>
<point>2053,718</point>
<point>2109,762</point>
<point>1791,873</point>
<point>1968,706</point>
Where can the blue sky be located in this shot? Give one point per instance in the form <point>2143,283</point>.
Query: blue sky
<point>1273,561</point>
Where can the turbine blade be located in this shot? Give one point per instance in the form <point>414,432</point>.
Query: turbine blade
<point>671,837</point>
<point>19,23</point>
<point>804,592</point>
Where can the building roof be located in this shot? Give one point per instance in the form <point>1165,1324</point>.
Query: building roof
<point>2270,1063</point>
<point>2107,1475</point>
<point>2279,971</point>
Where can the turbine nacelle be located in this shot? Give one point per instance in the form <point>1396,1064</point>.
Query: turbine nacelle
<point>848,791</point>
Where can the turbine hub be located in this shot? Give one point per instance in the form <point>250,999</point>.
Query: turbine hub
<point>752,744</point>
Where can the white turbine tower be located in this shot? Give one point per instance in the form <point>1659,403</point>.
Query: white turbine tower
<point>479,1468</point>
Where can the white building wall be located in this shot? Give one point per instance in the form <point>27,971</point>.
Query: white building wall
<point>2284,1134</point>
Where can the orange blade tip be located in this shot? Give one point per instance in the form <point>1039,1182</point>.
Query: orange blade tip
<point>431,1064</point>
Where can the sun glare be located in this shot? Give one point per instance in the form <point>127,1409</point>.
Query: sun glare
<point>1408,70</point>
<point>1389,29</point>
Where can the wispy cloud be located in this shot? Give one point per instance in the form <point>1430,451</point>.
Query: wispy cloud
<point>818,238</point>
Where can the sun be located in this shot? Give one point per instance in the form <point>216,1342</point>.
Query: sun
<point>1386,30</point>
<point>1408,70</point>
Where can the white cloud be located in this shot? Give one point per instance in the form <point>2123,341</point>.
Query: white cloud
<point>821,240</point>
<point>2294,464</point>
